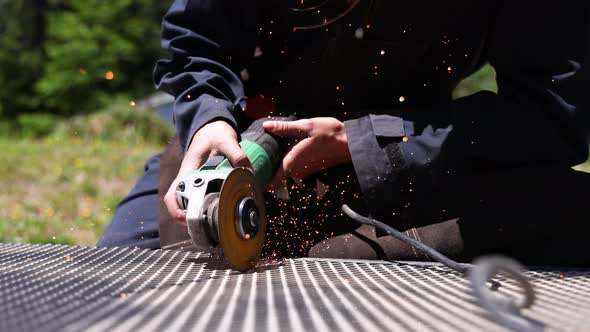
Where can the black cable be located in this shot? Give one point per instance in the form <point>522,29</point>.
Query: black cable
<point>502,310</point>
<point>459,267</point>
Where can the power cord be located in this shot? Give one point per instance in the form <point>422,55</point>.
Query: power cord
<point>459,267</point>
<point>503,310</point>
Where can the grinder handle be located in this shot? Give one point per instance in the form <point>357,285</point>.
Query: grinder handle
<point>274,146</point>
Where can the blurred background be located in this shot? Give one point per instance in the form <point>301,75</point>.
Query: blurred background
<point>79,115</point>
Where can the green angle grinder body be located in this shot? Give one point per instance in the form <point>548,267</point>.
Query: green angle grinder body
<point>225,207</point>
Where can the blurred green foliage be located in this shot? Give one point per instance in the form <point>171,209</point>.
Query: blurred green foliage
<point>97,48</point>
<point>36,125</point>
<point>117,122</point>
<point>21,55</point>
<point>71,56</point>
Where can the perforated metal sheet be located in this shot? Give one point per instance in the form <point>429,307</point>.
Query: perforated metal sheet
<point>52,288</point>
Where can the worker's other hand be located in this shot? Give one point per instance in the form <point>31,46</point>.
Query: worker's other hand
<point>215,138</point>
<point>323,145</point>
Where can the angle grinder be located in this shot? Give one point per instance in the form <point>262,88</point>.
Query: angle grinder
<point>224,205</point>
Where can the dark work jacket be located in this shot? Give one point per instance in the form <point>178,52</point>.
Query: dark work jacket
<point>387,69</point>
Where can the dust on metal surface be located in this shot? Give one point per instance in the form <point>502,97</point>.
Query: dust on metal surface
<point>53,288</point>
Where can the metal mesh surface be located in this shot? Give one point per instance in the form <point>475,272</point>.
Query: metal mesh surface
<point>50,288</point>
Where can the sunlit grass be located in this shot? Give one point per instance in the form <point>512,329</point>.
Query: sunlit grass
<point>584,167</point>
<point>64,190</point>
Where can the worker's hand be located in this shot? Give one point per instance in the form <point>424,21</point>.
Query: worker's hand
<point>323,145</point>
<point>214,138</point>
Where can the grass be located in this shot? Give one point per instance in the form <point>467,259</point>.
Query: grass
<point>64,190</point>
<point>584,167</point>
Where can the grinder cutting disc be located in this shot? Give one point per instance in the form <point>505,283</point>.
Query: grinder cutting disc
<point>241,219</point>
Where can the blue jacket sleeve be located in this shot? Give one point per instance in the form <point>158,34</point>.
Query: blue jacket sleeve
<point>209,41</point>
<point>539,115</point>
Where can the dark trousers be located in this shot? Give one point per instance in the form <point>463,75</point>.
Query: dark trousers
<point>537,214</point>
<point>135,223</point>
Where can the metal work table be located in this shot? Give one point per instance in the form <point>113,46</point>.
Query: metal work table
<point>71,288</point>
